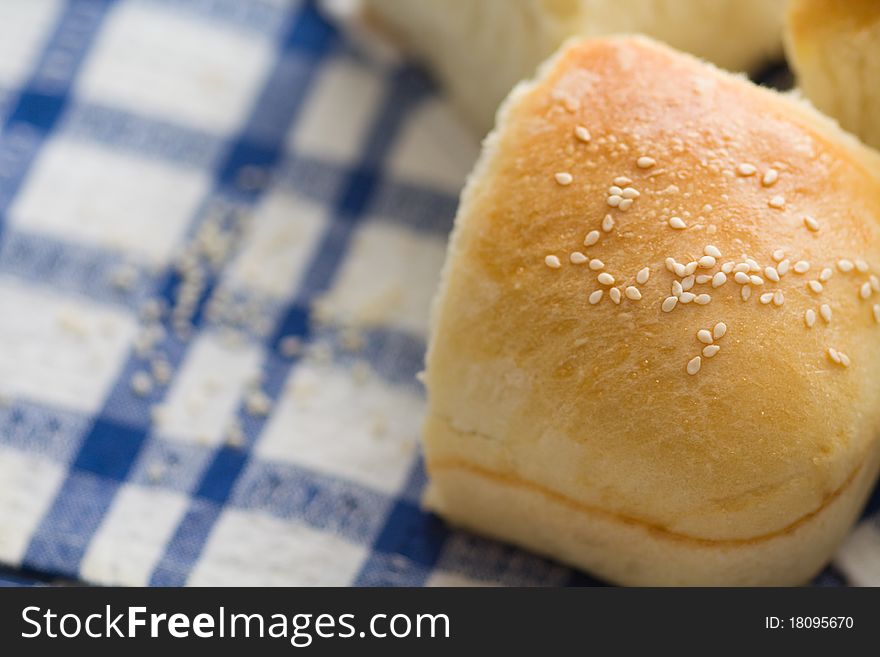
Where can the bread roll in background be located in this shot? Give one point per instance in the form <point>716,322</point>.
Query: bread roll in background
<point>655,346</point>
<point>479,50</point>
<point>834,48</point>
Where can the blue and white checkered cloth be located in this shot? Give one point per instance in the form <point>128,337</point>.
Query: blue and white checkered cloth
<point>136,132</point>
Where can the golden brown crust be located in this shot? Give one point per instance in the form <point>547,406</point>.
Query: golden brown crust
<point>594,401</point>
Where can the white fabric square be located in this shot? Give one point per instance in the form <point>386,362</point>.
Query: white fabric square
<point>110,199</point>
<point>28,485</point>
<point>59,350</point>
<point>133,536</point>
<point>207,390</point>
<point>328,421</point>
<point>388,278</point>
<point>24,27</point>
<point>159,62</point>
<point>278,246</point>
<point>327,128</point>
<point>435,148</point>
<point>253,549</point>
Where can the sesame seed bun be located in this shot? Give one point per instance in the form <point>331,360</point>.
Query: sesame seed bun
<point>609,433</point>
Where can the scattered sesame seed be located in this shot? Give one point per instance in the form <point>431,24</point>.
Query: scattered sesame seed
<point>630,193</point>
<point>719,330</point>
<point>742,267</point>
<point>783,266</point>
<point>815,286</point>
<point>777,202</point>
<point>643,275</point>
<point>608,223</point>
<point>625,204</point>
<point>614,190</point>
<point>577,258</point>
<point>596,264</point>
<point>865,291</point>
<point>680,270</point>
<point>713,251</point>
<point>745,292</point>
<point>876,311</point>
<point>771,274</point>
<point>845,265</point>
<point>811,224</point>
<point>746,170</point>
<point>778,298</point>
<point>591,238</point>
<point>756,280</point>
<point>753,265</point>
<point>825,274</point>
<point>825,312</point>
<point>702,299</point>
<point>706,262</point>
<point>596,297</point>
<point>766,298</point>
<point>844,359</point>
<point>742,278</point>
<point>719,279</point>
<point>677,223</point>
<point>801,267</point>
<point>688,282</point>
<point>727,267</point>
<point>810,317</point>
<point>563,178</point>
<point>875,283</point>
<point>614,200</point>
<point>670,264</point>
<point>862,266</point>
<point>770,177</point>
<point>622,181</point>
<point>645,162</point>
<point>832,352</point>
<point>687,297</point>
<point>552,261</point>
<point>605,278</point>
<point>702,279</point>
<point>632,292</point>
<point>669,303</point>
<point>690,268</point>
<point>693,365</point>
<point>778,255</point>
<point>704,336</point>
<point>710,350</point>
<point>582,134</point>
<point>677,288</point>
<point>141,383</point>
<point>614,293</point>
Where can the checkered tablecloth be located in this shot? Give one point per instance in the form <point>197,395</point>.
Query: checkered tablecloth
<point>221,225</point>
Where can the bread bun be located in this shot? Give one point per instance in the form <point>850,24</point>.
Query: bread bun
<point>677,389</point>
<point>834,47</point>
<point>480,50</point>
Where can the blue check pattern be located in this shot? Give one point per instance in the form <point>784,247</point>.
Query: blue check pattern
<point>80,497</point>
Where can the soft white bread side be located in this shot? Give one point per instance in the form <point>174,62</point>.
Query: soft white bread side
<point>479,50</point>
<point>655,346</point>
<point>834,48</point>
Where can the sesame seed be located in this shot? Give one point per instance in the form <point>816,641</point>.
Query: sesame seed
<point>844,359</point>
<point>783,267</point>
<point>582,134</point>
<point>745,292</point>
<point>630,193</point>
<point>810,317</point>
<point>625,204</point>
<point>596,264</point>
<point>766,298</point>
<point>713,251</point>
<point>741,277</point>
<point>577,258</point>
<point>622,181</point>
<point>770,177</point>
<point>614,200</point>
<point>875,283</point>
<point>614,190</point>
<point>811,224</point>
<point>832,352</point>
<point>727,267</point>
<point>771,274</point>
<point>687,282</point>
<point>746,170</point>
<point>710,350</point>
<point>702,299</point>
<point>563,178</point>
<point>801,267</point>
<point>677,288</point>
<point>704,336</point>
<point>778,255</point>
<point>693,365</point>
<point>595,297</point>
<point>777,202</point>
<point>702,279</point>
<point>862,266</point>
<point>645,162</point>
<point>677,223</point>
<point>605,278</point>
<point>643,275</point>
<point>825,312</point>
<point>591,238</point>
<point>670,264</point>
<point>719,279</point>
<point>720,330</point>
<point>756,280</point>
<point>825,274</point>
<point>669,303</point>
<point>876,311</point>
<point>614,293</point>
<point>687,297</point>
<point>552,261</point>
<point>680,270</point>
<point>742,267</point>
<point>633,293</point>
<point>845,265</point>
<point>865,291</point>
<point>815,286</point>
<point>608,223</point>
<point>690,268</point>
<point>778,298</point>
<point>753,265</point>
<point>706,262</point>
